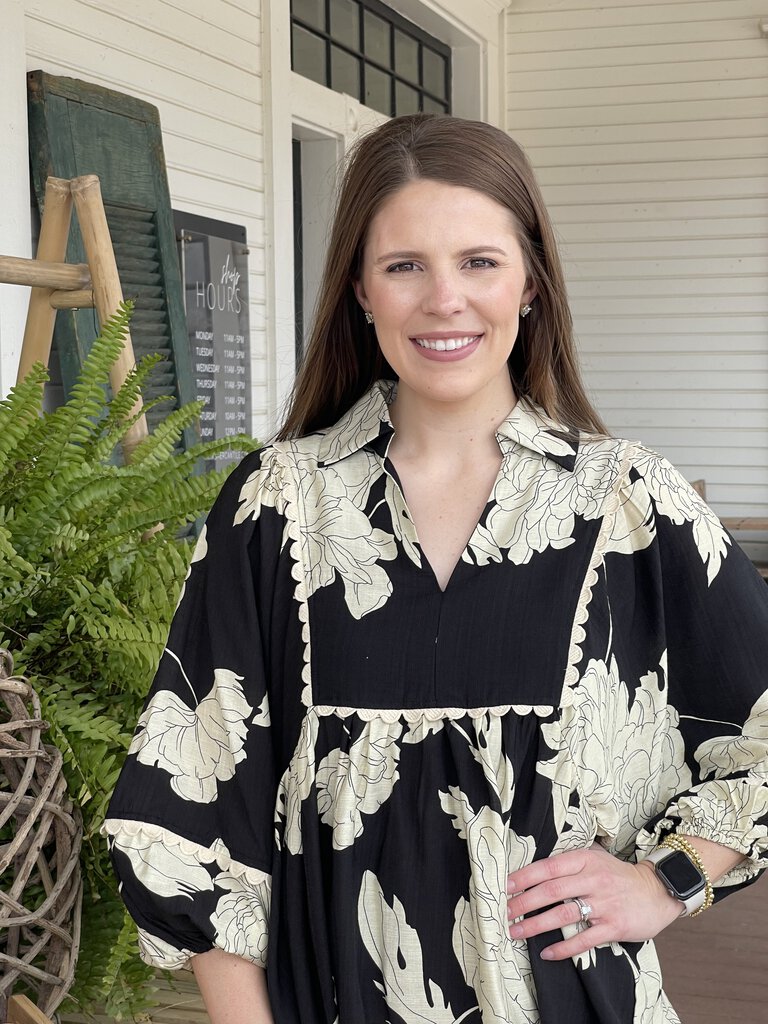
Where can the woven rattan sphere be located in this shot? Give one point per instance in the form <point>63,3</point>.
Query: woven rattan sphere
<point>40,837</point>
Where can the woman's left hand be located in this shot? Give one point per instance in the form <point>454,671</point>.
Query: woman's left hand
<point>629,903</point>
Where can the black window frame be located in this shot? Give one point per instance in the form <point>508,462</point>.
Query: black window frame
<point>395,22</point>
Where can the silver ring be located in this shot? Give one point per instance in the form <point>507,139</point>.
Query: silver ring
<point>585,909</point>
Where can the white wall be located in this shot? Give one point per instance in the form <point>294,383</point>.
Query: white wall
<point>647,124</point>
<point>198,61</point>
<point>14,185</point>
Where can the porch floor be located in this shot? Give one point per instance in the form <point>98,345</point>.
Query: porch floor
<point>715,967</point>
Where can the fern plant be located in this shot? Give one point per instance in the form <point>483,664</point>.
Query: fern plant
<point>88,585</point>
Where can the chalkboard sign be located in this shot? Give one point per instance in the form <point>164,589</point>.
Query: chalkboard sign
<point>214,267</point>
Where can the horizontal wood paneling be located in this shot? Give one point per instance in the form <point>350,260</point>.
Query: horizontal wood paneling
<point>199,62</point>
<point>647,124</point>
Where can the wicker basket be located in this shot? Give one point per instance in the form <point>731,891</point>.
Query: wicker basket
<point>40,838</point>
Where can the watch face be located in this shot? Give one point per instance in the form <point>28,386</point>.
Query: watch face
<point>681,875</point>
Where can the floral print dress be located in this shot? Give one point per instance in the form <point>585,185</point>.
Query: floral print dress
<point>338,763</point>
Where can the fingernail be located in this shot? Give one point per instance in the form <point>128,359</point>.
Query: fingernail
<point>516,930</point>
<point>547,954</point>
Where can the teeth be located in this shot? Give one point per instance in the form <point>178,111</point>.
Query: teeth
<point>447,344</point>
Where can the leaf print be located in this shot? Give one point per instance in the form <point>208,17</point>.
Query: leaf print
<point>402,524</point>
<point>417,732</point>
<point>338,540</point>
<point>164,870</point>
<point>723,755</point>
<point>296,784</point>
<point>496,967</point>
<point>535,504</point>
<point>651,1005</point>
<point>736,815</point>
<point>456,806</point>
<point>262,716</point>
<point>677,501</point>
<point>482,547</point>
<point>263,487</point>
<point>633,528</point>
<point>624,749</point>
<point>359,782</point>
<point>198,748</point>
<point>496,766</point>
<point>395,948</point>
<point>158,953</point>
<point>241,917</point>
<point>360,424</point>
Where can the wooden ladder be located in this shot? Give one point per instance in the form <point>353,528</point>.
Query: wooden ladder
<point>59,285</point>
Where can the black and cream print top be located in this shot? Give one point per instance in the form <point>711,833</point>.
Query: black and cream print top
<point>338,763</point>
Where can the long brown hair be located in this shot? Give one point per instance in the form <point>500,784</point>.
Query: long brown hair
<point>343,359</point>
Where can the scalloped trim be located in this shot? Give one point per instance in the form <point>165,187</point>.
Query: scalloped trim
<point>432,714</point>
<point>578,633</point>
<point>292,497</point>
<point>115,827</point>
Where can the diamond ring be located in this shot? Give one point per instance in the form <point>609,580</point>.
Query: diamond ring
<point>585,909</point>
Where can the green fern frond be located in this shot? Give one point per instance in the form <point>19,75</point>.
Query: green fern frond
<point>86,598</point>
<point>18,413</point>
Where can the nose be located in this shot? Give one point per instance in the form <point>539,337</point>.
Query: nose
<point>443,295</point>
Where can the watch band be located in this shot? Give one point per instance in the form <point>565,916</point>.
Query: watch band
<point>693,903</point>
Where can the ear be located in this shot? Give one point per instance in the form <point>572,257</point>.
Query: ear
<point>529,294</point>
<point>362,298</point>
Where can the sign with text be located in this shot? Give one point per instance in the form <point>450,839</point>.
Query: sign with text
<point>214,264</point>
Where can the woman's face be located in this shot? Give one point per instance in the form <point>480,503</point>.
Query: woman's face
<point>443,274</point>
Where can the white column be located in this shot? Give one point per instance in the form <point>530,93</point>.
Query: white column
<point>15,231</point>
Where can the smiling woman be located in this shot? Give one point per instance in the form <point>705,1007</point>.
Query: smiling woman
<point>464,700</point>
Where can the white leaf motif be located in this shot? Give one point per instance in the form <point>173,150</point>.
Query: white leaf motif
<point>496,967</point>
<point>198,747</point>
<point>164,870</point>
<point>395,948</point>
<point>677,501</point>
<point>359,782</point>
<point>723,755</point>
<point>158,953</point>
<point>241,917</point>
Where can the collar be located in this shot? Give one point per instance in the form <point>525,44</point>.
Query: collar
<point>367,425</point>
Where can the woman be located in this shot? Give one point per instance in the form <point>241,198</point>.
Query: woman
<point>450,662</point>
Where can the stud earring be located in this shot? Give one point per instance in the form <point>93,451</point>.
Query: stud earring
<point>525,310</point>
<point>368,317</point>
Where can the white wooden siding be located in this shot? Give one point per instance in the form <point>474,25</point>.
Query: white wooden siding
<point>647,124</point>
<point>199,62</point>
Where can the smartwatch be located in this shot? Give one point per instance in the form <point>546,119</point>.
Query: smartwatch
<point>680,876</point>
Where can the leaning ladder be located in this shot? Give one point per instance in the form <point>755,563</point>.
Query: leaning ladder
<point>59,285</point>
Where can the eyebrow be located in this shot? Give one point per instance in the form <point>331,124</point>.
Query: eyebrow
<point>412,254</point>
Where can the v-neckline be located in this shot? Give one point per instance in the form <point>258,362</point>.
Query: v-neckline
<point>389,468</point>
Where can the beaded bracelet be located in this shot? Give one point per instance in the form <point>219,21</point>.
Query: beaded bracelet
<point>677,842</point>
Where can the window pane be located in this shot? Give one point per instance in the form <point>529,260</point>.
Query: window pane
<point>433,107</point>
<point>406,56</point>
<point>377,39</point>
<point>406,99</point>
<point>345,72</point>
<point>378,90</point>
<point>345,22</point>
<point>434,72</point>
<point>311,11</point>
<point>309,55</point>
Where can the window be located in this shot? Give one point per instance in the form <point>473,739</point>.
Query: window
<point>364,49</point>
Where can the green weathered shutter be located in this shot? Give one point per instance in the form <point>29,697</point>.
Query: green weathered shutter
<point>77,128</point>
